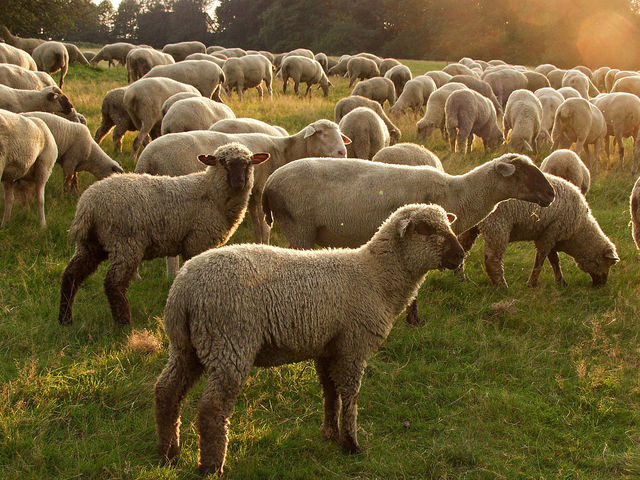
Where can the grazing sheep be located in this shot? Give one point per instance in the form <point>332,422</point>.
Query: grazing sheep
<point>387,64</point>
<point>345,105</point>
<point>75,55</point>
<point>205,76</point>
<point>454,69</point>
<point>370,56</point>
<point>143,100</point>
<point>379,89</point>
<point>399,75</point>
<point>434,113</point>
<point>179,51</point>
<point>480,86</point>
<point>304,70</point>
<point>114,52</point>
<point>232,52</point>
<point>48,99</point>
<point>16,56</point>
<point>114,114</point>
<point>408,154</point>
<point>168,103</point>
<point>89,56</point>
<point>609,79</point>
<point>22,79</point>
<point>299,52</point>
<point>566,164</point>
<point>586,70</point>
<point>26,44</point>
<point>550,100</point>
<point>248,72</point>
<point>568,92</point>
<point>341,67</point>
<point>205,56</point>
<point>577,120</point>
<point>577,80</point>
<point>623,74</point>
<point>140,61</point>
<point>505,81</point>
<point>217,325</point>
<point>467,113</point>
<point>247,125</point>
<point>51,57</point>
<point>129,218</point>
<point>197,113</point>
<point>368,131</point>
<point>627,84</point>
<point>598,78</point>
<point>635,213</point>
<point>323,60</point>
<point>30,160</point>
<point>439,77</point>
<point>415,95</point>
<point>555,77</point>
<point>545,68</point>
<point>77,151</point>
<point>567,225</point>
<point>523,115</point>
<point>361,68</point>
<point>536,81</point>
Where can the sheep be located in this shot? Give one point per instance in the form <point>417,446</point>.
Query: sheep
<point>218,325</point>
<point>545,68</point>
<point>248,72</point>
<point>634,208</point>
<point>299,52</point>
<point>408,154</point>
<point>357,195</point>
<point>623,74</point>
<point>577,80</point>
<point>269,56</point>
<point>370,56</point>
<point>26,44</point>
<point>30,160</point>
<point>399,75</point>
<point>345,105</point>
<point>205,76</point>
<point>22,79</point>
<point>536,81</point>
<point>415,95</point>
<point>75,55</point>
<point>569,92</point>
<point>247,125</point>
<point>387,64</point>
<point>180,50</point>
<point>585,70</point>
<point>466,113</point>
<point>505,81</point>
<point>627,84</point>
<point>303,70</point>
<point>567,225</point>
<point>566,164</point>
<point>143,100</point>
<point>51,57</point>
<point>131,217</point>
<point>523,115</point>
<point>609,79</point>
<point>77,151</point>
<point>197,113</point>
<point>434,113</point>
<point>550,100</point>
<point>598,78</point>
<point>233,52</point>
<point>458,69</point>
<point>361,68</point>
<point>480,86</point>
<point>114,114</point>
<point>168,103</point>
<point>323,60</point>
<point>214,48</point>
<point>48,99</point>
<point>379,89</point>
<point>140,61</point>
<point>89,55</point>
<point>439,77</point>
<point>114,52</point>
<point>321,137</point>
<point>621,113</point>
<point>579,121</point>
<point>341,67</point>
<point>205,56</point>
<point>16,56</point>
<point>368,131</point>
<point>555,77</point>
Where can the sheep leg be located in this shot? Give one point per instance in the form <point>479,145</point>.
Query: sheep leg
<point>260,92</point>
<point>8,202</point>
<point>537,268</point>
<point>412,313</point>
<point>308,92</point>
<point>116,283</point>
<point>261,230</point>
<point>284,84</point>
<point>557,271</point>
<point>84,262</point>
<point>606,146</point>
<point>618,139</point>
<point>469,143</point>
<point>579,146</point>
<point>103,129</point>
<point>173,265</point>
<point>296,86</point>
<point>452,134</point>
<point>142,136</point>
<point>182,371</point>
<point>118,134</point>
<point>332,402</point>
<point>40,195</point>
<point>636,154</point>
<point>348,380</point>
<point>493,254</point>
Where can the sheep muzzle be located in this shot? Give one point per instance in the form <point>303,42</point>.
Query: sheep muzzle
<point>453,256</point>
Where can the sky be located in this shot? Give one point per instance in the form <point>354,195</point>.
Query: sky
<point>117,2</point>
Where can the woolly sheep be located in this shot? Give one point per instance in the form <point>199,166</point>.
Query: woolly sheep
<point>598,78</point>
<point>634,201</point>
<point>16,56</point>
<point>234,52</point>
<point>114,114</point>
<point>399,75</point>
<point>197,113</point>
<point>467,113</point>
<point>566,164</point>
<point>180,50</point>
<point>480,86</point>
<point>51,57</point>
<point>299,52</point>
<point>545,68</point>
<point>129,218</point>
<point>370,56</point>
<point>247,125</point>
<point>114,52</point>
<point>415,95</point>
<point>434,113</point>
<point>77,151</point>
<point>143,100</point>
<point>323,60</point>
<point>523,117</point>
<point>387,64</point>
<point>586,70</point>
<point>361,68</point>
<point>22,79</point>
<point>439,77</point>
<point>609,79</point>
<point>458,69</point>
<point>205,56</point>
<point>217,325</point>
<point>168,103</point>
<point>26,44</point>
<point>30,160</point>
<point>555,77</point>
<point>627,84</point>
<point>577,80</point>
<point>379,89</point>
<point>408,154</point>
<point>623,74</point>
<point>48,99</point>
<point>205,76</point>
<point>550,100</point>
<point>505,81</point>
<point>495,62</point>
<point>341,67</point>
<point>140,61</point>
<point>368,131</point>
<point>569,92</point>
<point>536,81</point>
<point>304,70</point>
<point>248,72</point>
<point>345,105</point>
<point>567,225</point>
<point>75,55</point>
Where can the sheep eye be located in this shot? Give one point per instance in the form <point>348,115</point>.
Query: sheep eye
<point>425,229</point>
<point>223,162</point>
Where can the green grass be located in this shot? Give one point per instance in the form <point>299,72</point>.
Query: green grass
<point>498,383</point>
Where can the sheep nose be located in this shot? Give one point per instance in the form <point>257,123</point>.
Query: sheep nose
<point>341,153</point>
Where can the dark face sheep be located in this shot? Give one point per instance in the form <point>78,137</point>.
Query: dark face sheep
<point>598,267</point>
<point>55,95</point>
<point>236,160</point>
<point>532,185</point>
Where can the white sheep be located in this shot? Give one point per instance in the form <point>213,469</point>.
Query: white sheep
<point>248,72</point>
<point>197,113</point>
<point>536,81</point>
<point>345,105</point>
<point>523,117</point>
<point>168,103</point>
<point>304,70</point>
<point>555,77</point>
<point>341,67</point>
<point>399,75</point>
<point>434,113</point>
<point>598,77</point>
<point>387,64</point>
<point>368,131</point>
<point>179,51</point>
<point>415,94</point>
<point>17,77</point>
<point>322,59</point>
<point>51,57</point>
<point>129,218</point>
<point>205,56</point>
<point>569,92</point>
<point>408,154</point>
<point>75,55</point>
<point>234,52</point>
<point>379,89</point>
<point>49,99</point>
<point>439,77</point>
<point>627,84</point>
<point>566,164</point>
<point>114,52</point>
<point>480,86</point>
<point>205,76</point>
<point>545,68</point>
<point>361,68</point>
<point>141,60</point>
<point>634,207</point>
<point>505,81</point>
<point>16,56</point>
<point>26,44</point>
<point>550,100</point>
<point>458,69</point>
<point>247,125</point>
<point>114,114</point>
<point>577,80</point>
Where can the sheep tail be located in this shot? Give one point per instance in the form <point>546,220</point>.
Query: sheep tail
<point>268,216</point>
<point>81,225</point>
<point>176,321</point>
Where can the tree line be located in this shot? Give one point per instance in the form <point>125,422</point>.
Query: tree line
<point>563,32</point>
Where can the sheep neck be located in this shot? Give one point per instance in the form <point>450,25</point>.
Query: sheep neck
<point>294,146</point>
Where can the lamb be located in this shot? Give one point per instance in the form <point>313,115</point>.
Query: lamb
<point>304,70</point>
<point>466,113</point>
<point>248,72</point>
<point>114,114</point>
<point>415,95</point>
<point>49,99</point>
<point>25,161</point>
<point>439,77</point>
<point>387,64</point>
<point>566,164</point>
<point>536,81</point>
<point>205,56</point>
<point>247,125</point>
<point>366,290</point>
<point>26,44</point>
<point>565,226</point>
<point>399,75</point>
<point>550,100</point>
<point>143,100</point>
<point>357,195</point>
<point>569,92</point>
<point>129,218</point>
<point>205,76</point>
<point>114,52</point>
<point>16,56</point>
<point>368,131</point>
<point>22,79</point>
<point>505,81</point>
<point>635,213</point>
<point>523,115</point>
<point>579,121</point>
<point>140,61</point>
<point>321,137</point>
<point>408,154</point>
<point>323,60</point>
<point>458,69</point>
<point>51,57</point>
<point>75,55</point>
<point>480,86</point>
<point>77,151</point>
<point>379,89</point>
<point>197,113</point>
<point>434,114</point>
<point>361,68</point>
<point>345,105</point>
<point>180,50</point>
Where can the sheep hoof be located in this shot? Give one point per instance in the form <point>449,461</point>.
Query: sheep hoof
<point>207,469</point>
<point>330,434</point>
<point>532,284</point>
<point>412,315</point>
<point>65,320</point>
<point>351,447</point>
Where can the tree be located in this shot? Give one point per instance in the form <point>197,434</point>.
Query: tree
<point>125,23</point>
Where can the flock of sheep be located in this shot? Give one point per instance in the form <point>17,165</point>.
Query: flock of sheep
<point>231,308</point>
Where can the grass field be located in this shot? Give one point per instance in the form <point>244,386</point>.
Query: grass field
<point>498,383</point>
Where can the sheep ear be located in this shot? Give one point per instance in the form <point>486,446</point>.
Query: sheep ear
<point>505,169</point>
<point>310,130</point>
<point>258,158</point>
<point>52,96</point>
<point>345,139</point>
<point>612,257</point>
<point>207,159</point>
<point>403,227</point>
<point>451,217</point>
